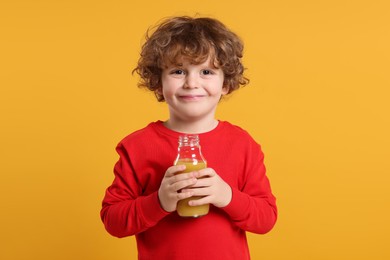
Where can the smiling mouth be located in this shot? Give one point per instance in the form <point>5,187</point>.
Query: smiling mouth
<point>191,97</point>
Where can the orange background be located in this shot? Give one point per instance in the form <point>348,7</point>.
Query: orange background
<point>318,102</point>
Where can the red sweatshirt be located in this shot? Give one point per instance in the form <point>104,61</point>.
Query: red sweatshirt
<point>131,205</point>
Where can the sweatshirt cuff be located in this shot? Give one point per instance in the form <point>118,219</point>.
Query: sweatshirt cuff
<point>152,210</point>
<point>238,205</point>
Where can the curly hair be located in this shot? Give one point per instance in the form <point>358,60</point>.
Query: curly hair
<point>195,39</point>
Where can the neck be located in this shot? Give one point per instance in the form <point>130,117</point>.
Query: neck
<point>192,127</point>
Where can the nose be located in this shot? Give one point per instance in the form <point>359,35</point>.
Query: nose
<point>191,81</point>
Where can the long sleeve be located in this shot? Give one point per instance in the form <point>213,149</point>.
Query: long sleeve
<point>126,211</point>
<point>253,206</point>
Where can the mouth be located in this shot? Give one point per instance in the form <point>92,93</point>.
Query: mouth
<point>190,97</point>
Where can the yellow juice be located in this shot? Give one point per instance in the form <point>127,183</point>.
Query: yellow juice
<point>183,209</point>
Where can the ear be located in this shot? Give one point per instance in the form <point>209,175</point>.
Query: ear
<point>159,94</point>
<point>159,91</point>
<point>225,90</point>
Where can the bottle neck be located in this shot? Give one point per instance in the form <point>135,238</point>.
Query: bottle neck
<point>188,141</point>
<point>189,149</point>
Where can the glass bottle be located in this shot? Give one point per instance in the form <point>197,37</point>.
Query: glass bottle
<point>190,154</point>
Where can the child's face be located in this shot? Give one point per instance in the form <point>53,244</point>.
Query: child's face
<point>192,91</point>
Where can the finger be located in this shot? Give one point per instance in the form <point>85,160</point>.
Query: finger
<point>203,182</point>
<point>177,186</point>
<point>184,195</point>
<point>198,191</point>
<point>201,201</point>
<point>207,172</point>
<point>173,170</point>
<point>180,177</point>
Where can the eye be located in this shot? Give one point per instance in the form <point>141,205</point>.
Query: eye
<point>207,72</point>
<point>177,72</point>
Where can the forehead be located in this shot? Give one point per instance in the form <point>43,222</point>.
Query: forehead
<point>185,60</point>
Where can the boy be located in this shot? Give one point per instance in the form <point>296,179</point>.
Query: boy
<point>190,63</point>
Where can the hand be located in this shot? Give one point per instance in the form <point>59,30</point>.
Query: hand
<point>211,187</point>
<point>170,191</point>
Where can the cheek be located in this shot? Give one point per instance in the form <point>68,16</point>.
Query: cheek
<point>220,89</point>
<point>167,91</point>
<point>165,86</point>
